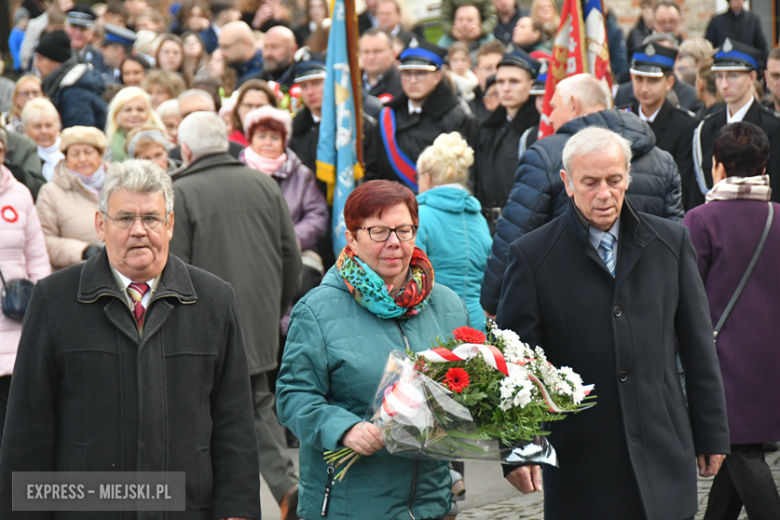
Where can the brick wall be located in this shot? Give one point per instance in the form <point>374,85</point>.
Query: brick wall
<point>696,14</point>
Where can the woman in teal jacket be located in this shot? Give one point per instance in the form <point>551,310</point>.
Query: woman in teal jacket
<point>453,232</point>
<point>379,297</point>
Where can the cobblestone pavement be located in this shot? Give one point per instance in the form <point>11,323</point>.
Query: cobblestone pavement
<point>530,507</point>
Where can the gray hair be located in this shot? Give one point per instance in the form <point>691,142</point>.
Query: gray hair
<point>168,108</point>
<point>204,133</point>
<point>196,92</point>
<point>37,108</point>
<point>592,140</point>
<point>136,176</point>
<point>662,38</point>
<point>590,91</point>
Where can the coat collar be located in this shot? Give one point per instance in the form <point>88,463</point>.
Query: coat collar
<point>438,102</point>
<point>97,280</point>
<point>525,114</point>
<point>207,163</point>
<point>635,235</point>
<point>302,122</point>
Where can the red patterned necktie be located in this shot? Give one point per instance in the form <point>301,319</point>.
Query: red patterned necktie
<point>136,292</point>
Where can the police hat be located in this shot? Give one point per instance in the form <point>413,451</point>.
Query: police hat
<point>517,57</point>
<point>81,16</point>
<point>120,35</point>
<point>653,60</point>
<point>309,65</point>
<point>734,55</point>
<point>420,54</point>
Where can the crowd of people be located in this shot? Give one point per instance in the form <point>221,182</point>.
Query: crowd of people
<point>618,243</point>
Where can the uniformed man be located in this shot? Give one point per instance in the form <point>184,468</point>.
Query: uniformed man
<point>411,122</point>
<point>499,136</point>
<point>735,68</point>
<point>117,45</point>
<point>652,76</point>
<point>310,77</point>
<point>79,25</point>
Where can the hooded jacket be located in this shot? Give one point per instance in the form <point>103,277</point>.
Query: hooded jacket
<point>335,355</point>
<point>455,236</point>
<point>22,255</point>
<point>539,194</point>
<point>76,89</point>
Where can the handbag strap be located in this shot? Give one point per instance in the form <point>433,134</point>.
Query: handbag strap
<point>749,270</point>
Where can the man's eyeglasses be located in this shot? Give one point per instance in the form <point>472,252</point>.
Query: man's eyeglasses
<point>382,233</point>
<point>151,222</point>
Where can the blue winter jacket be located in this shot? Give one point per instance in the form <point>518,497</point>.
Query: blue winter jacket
<point>456,238</point>
<point>539,194</point>
<point>335,355</point>
<point>77,93</point>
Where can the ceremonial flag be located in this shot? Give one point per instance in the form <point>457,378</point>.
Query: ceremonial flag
<point>580,46</point>
<point>338,159</point>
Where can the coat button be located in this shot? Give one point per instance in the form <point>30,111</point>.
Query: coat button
<point>617,312</point>
<point>623,375</point>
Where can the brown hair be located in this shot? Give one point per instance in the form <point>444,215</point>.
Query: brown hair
<point>491,47</point>
<point>268,125</point>
<point>252,84</point>
<point>172,38</point>
<point>373,198</point>
<point>168,80</point>
<point>706,75</point>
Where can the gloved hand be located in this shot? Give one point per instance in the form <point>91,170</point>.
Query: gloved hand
<point>90,251</point>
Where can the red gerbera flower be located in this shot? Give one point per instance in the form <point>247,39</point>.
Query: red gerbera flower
<point>456,379</point>
<point>469,335</point>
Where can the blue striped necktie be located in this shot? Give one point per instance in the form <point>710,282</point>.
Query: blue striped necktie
<point>607,242</point>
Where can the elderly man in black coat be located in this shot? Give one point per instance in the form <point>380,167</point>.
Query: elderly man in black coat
<point>613,293</point>
<point>134,361</point>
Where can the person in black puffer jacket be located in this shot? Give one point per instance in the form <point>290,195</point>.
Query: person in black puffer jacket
<point>539,195</point>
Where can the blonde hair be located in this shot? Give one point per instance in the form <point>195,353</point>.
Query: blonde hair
<point>19,82</point>
<point>35,108</point>
<point>447,160</point>
<point>120,100</point>
<point>696,48</point>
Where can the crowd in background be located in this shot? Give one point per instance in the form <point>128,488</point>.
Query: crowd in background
<point>101,84</point>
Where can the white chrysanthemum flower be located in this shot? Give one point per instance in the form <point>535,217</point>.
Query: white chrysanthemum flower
<point>573,381</point>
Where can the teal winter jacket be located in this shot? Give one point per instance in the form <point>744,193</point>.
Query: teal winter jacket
<point>456,238</point>
<point>335,354</point>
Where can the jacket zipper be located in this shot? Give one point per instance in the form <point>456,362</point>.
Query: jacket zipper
<point>416,462</point>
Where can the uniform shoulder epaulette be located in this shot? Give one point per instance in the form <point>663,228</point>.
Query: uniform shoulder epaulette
<point>714,113</point>
<point>770,111</point>
<point>685,111</point>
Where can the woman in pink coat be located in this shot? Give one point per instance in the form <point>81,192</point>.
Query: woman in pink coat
<point>22,255</point>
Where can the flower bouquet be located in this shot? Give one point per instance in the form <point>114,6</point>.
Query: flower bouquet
<point>474,396</point>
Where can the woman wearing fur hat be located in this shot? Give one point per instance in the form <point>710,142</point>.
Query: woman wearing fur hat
<point>68,203</point>
<point>268,131</point>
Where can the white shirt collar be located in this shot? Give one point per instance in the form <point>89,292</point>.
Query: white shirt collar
<point>127,281</point>
<point>595,235</point>
<point>650,119</point>
<point>217,30</point>
<point>317,119</point>
<point>740,115</point>
<point>395,31</point>
<point>413,109</point>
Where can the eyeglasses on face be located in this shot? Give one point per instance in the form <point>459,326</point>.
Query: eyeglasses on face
<point>151,222</point>
<point>382,233</point>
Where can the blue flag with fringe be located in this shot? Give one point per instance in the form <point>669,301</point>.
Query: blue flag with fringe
<point>337,159</point>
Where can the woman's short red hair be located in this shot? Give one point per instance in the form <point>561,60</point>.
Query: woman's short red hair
<point>372,198</point>
<point>268,125</point>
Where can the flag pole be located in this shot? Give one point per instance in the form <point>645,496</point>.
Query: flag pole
<point>354,75</point>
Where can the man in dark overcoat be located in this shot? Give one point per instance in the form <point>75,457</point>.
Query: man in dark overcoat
<point>134,361</point>
<point>499,135</point>
<point>412,121</point>
<point>233,221</point>
<point>614,294</point>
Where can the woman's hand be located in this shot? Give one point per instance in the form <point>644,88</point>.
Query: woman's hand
<point>364,438</point>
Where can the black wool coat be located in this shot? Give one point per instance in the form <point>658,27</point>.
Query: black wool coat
<point>673,128</point>
<point>765,118</point>
<point>91,394</point>
<point>389,84</point>
<point>497,155</point>
<point>744,28</point>
<point>441,113</point>
<point>632,456</point>
<point>305,136</point>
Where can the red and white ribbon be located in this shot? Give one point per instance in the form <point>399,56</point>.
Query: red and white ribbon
<point>492,355</point>
<point>403,403</point>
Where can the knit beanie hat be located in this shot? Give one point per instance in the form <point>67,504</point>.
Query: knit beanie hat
<point>55,46</point>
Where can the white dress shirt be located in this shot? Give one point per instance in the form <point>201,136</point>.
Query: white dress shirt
<point>127,281</point>
<point>740,115</point>
<point>316,119</point>
<point>595,235</point>
<point>413,109</point>
<point>651,118</point>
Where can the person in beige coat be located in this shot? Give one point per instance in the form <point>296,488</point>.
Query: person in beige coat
<point>67,204</point>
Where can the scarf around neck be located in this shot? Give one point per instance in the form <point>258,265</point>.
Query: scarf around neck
<point>741,188</point>
<point>51,156</point>
<point>371,292</point>
<point>94,182</point>
<point>258,162</point>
